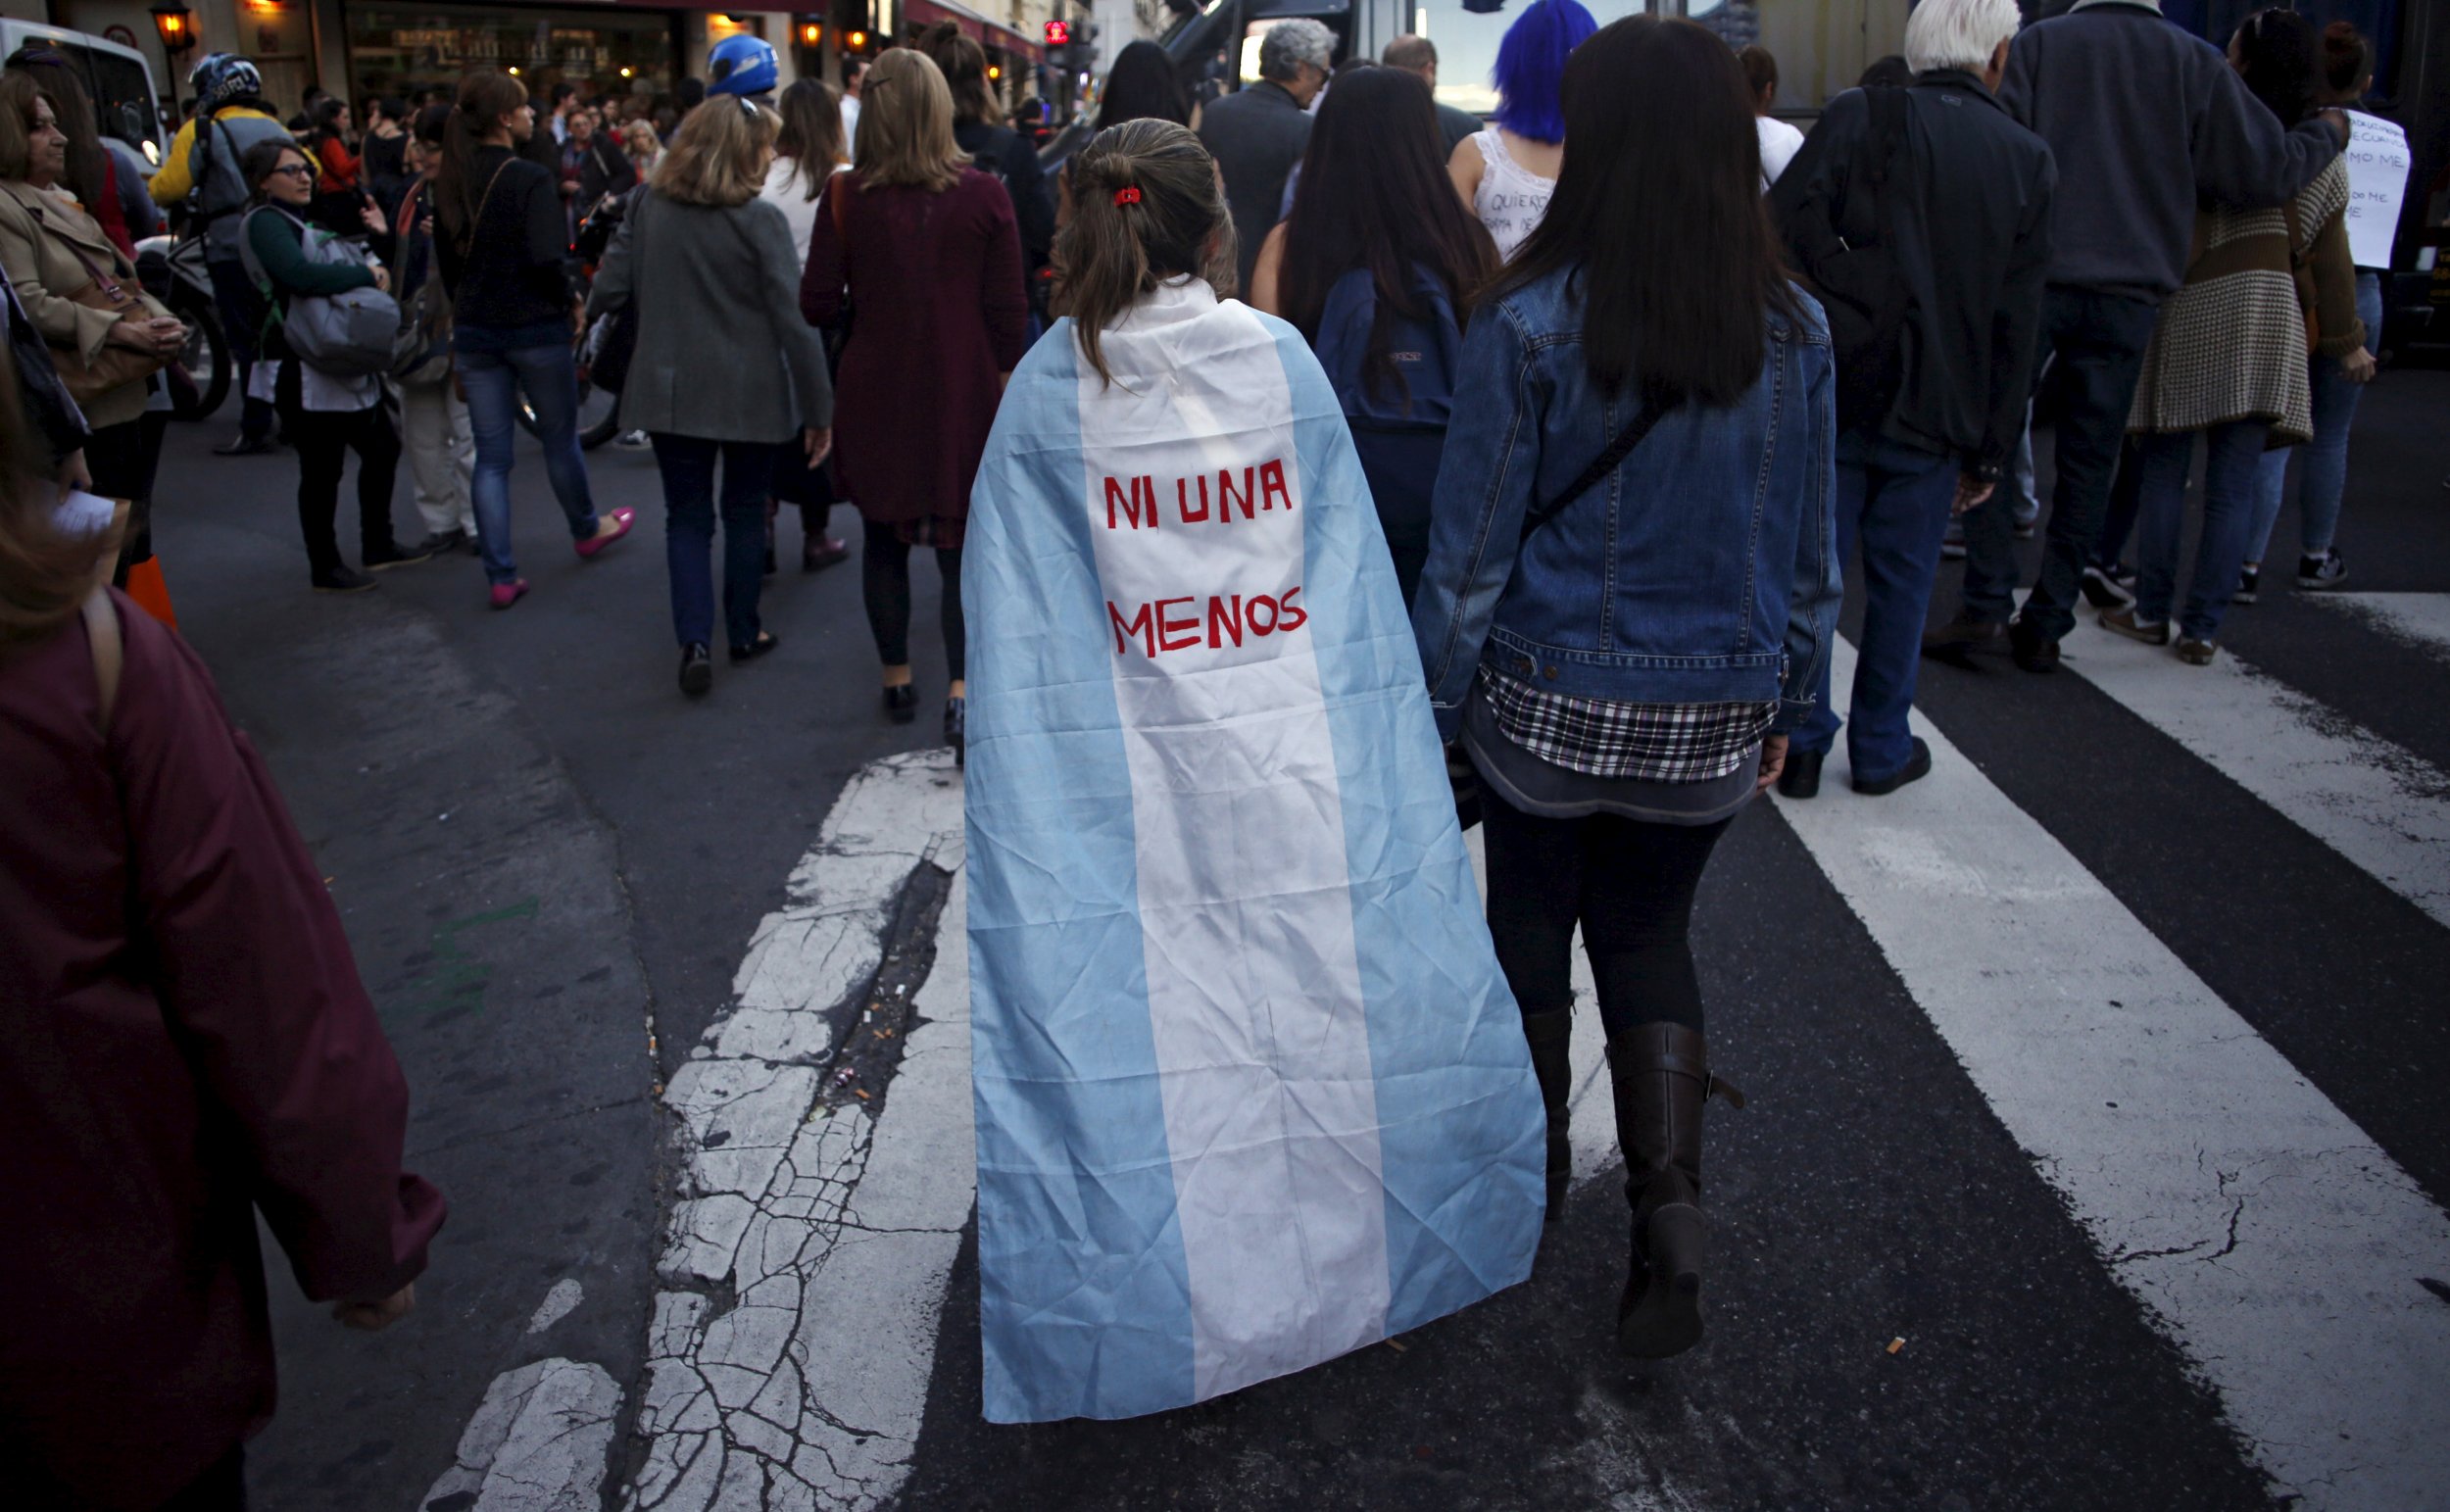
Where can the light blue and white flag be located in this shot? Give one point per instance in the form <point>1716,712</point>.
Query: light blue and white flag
<point>1252,1092</point>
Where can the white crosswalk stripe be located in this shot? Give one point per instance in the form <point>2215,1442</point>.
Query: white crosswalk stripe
<point>2422,620</point>
<point>2380,805</point>
<point>2276,1242</point>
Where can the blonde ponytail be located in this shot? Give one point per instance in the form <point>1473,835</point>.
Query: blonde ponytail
<point>1146,207</point>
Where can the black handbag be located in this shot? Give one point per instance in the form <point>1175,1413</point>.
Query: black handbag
<point>613,344</point>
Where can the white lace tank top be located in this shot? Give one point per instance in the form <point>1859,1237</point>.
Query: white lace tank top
<point>1511,198</point>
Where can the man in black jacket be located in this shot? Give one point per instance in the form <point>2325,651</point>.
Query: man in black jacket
<point>2145,122</point>
<point>1257,135</point>
<point>1929,210</point>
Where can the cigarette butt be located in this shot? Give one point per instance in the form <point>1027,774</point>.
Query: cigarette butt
<point>1396,1345</point>
<point>863,1094</point>
<point>1895,1344</point>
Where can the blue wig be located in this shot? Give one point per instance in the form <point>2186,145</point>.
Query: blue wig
<point>1531,64</point>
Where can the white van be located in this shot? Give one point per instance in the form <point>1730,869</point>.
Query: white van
<point>117,78</point>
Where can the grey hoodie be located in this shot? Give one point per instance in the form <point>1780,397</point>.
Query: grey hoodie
<point>2145,121</point>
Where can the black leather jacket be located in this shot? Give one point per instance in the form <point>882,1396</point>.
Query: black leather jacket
<point>1970,229</point>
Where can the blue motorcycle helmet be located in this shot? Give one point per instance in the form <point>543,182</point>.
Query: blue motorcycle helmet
<point>742,65</point>
<point>225,79</point>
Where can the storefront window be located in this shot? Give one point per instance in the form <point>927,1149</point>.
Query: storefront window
<point>402,50</point>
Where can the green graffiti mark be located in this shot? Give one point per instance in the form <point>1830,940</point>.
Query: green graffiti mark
<point>458,979</point>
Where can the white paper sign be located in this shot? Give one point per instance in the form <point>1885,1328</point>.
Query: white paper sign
<point>2377,180</point>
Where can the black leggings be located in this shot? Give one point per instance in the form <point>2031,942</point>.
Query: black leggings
<point>885,582</point>
<point>324,438</point>
<point>1628,883</point>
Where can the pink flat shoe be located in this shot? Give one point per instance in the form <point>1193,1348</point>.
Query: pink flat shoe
<point>621,520</point>
<point>507,594</point>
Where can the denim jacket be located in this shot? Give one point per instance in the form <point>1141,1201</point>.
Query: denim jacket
<point>1705,569</point>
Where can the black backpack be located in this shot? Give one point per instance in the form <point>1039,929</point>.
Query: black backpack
<point>1850,266</point>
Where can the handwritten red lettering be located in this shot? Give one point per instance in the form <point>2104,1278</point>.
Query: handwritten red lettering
<point>1168,629</point>
<point>1182,501</point>
<point>1225,498</point>
<point>1224,619</point>
<point>1272,485</point>
<point>1139,624</point>
<point>1250,612</point>
<point>1296,616</point>
<point>1138,505</point>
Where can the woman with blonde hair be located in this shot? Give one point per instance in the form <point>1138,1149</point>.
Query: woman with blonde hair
<point>1226,972</point>
<point>722,370</point>
<point>923,248</point>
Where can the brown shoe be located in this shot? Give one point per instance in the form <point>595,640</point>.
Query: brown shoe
<point>2196,652</point>
<point>1660,1074</point>
<point>1965,635</point>
<point>2123,621</point>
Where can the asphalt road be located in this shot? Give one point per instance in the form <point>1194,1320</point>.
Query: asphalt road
<point>552,866</point>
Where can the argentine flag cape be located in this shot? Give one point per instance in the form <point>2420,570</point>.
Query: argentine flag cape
<point>1252,1092</point>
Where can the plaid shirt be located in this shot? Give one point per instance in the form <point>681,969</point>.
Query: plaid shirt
<point>1649,741</point>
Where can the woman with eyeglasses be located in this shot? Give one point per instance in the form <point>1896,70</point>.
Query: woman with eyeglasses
<point>326,415</point>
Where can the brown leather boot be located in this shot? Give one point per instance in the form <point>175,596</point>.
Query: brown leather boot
<point>1550,1034</point>
<point>1660,1073</point>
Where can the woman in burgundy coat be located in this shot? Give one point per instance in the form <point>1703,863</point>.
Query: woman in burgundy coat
<point>918,252</point>
<point>187,1044</point>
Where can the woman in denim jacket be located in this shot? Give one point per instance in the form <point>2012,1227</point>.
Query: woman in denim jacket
<point>1622,665</point>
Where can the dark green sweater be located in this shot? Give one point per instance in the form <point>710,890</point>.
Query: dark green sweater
<point>279,239</point>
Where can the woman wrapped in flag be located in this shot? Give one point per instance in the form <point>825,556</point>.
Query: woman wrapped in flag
<point>1252,1090</point>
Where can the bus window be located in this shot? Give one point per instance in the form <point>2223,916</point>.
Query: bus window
<point>1821,45</point>
<point>122,96</point>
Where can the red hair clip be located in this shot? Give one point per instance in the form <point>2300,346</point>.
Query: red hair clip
<point>1129,194</point>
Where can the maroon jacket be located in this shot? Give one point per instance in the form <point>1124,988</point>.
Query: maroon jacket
<point>183,1039</point>
<point>937,314</point>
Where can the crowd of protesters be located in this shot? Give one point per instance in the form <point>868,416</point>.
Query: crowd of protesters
<point>810,296</point>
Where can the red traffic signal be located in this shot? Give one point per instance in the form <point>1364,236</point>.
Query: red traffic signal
<point>1058,34</point>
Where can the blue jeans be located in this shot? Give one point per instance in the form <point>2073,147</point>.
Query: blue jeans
<point>687,464</point>
<point>1892,503</point>
<point>2322,476</point>
<point>2098,341</point>
<point>2234,451</point>
<point>495,365</point>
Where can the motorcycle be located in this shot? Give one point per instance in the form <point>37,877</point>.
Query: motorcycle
<point>174,272</point>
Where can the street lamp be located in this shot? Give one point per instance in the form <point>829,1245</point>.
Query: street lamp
<point>175,25</point>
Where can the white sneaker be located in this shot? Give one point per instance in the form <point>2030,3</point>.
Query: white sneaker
<point>632,441</point>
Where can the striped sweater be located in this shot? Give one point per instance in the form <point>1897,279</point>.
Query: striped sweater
<point>2232,342</point>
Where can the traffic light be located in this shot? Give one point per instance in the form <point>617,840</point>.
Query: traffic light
<point>1058,34</point>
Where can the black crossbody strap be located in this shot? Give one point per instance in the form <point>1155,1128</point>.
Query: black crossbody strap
<point>1602,466</point>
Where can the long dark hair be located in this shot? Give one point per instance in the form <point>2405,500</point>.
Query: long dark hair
<point>1143,86</point>
<point>1657,218</point>
<point>486,95</point>
<point>963,64</point>
<point>1374,195</point>
<point>2276,51</point>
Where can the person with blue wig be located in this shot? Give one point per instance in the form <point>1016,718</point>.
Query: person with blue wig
<point>1506,171</point>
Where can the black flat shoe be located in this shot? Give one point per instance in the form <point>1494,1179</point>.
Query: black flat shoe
<point>956,733</point>
<point>1917,767</point>
<point>902,703</point>
<point>766,640</point>
<point>2032,653</point>
<point>696,669</point>
<point>1801,775</point>
<point>245,446</point>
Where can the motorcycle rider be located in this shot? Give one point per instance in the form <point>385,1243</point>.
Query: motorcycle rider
<point>201,170</point>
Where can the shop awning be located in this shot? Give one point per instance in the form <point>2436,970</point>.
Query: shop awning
<point>990,33</point>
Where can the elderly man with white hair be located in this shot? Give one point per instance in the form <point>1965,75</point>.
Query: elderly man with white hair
<point>1259,134</point>
<point>1922,215</point>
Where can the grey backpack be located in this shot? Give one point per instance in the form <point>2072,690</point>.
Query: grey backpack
<point>353,334</point>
